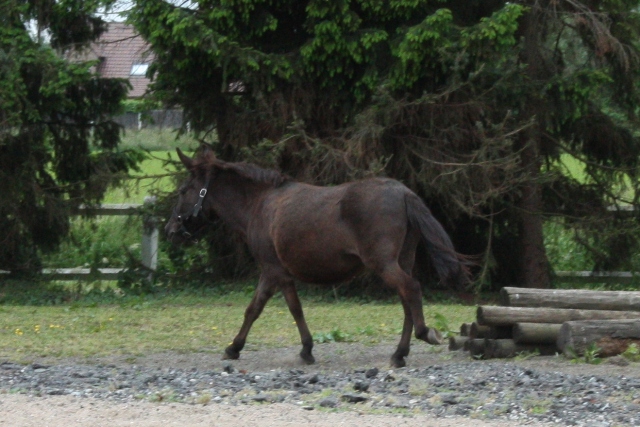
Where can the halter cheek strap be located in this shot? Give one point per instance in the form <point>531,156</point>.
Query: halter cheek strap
<point>203,192</point>
<point>195,210</point>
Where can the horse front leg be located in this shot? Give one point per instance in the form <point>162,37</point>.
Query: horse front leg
<point>264,291</point>
<point>295,307</point>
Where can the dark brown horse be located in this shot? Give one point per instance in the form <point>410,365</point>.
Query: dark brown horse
<point>317,235</point>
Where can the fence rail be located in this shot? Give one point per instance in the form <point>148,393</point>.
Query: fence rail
<point>149,252</point>
<point>149,244</point>
<point>623,277</point>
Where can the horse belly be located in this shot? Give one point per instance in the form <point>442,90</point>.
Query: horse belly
<point>316,257</point>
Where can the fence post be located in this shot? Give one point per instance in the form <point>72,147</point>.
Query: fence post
<point>149,237</point>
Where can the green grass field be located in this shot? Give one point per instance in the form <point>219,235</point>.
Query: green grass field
<point>575,168</point>
<point>91,323</point>
<point>194,324</point>
<point>157,173</point>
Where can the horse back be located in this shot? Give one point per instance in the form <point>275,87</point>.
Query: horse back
<point>320,234</point>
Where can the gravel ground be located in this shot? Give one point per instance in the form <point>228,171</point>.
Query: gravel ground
<point>349,379</point>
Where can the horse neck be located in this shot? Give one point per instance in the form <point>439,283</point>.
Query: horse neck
<point>235,201</point>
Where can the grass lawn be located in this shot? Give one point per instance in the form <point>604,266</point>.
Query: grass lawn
<point>193,324</point>
<point>575,168</point>
<point>157,173</point>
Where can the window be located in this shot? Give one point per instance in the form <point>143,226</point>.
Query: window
<point>139,69</point>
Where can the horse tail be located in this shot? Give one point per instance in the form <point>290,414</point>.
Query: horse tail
<point>449,264</point>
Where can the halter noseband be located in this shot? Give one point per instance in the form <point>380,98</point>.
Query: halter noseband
<point>194,212</point>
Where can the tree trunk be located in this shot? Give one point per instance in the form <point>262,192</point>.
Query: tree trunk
<point>504,316</point>
<point>612,337</point>
<point>534,269</point>
<point>571,298</point>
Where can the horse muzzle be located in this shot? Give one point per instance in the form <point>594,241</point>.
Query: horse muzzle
<point>175,233</point>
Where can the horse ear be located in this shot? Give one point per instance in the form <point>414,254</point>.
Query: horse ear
<point>186,161</point>
<point>207,153</point>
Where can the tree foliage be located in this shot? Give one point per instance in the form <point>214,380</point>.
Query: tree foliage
<point>472,103</point>
<point>58,143</point>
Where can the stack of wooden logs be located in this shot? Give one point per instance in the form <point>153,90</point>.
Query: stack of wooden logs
<point>552,321</point>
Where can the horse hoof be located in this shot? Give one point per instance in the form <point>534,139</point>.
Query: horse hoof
<point>230,354</point>
<point>398,363</point>
<point>434,337</point>
<point>307,358</point>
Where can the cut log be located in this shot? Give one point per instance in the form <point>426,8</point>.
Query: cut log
<point>612,337</point>
<point>500,332</point>
<point>536,333</point>
<point>571,298</point>
<point>504,316</point>
<point>457,343</point>
<point>477,348</point>
<point>493,332</point>
<point>465,328</point>
<point>505,348</point>
<point>479,331</point>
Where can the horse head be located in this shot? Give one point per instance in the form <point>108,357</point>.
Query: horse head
<point>189,217</point>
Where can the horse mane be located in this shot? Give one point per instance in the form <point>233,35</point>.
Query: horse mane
<point>251,172</point>
<point>257,174</point>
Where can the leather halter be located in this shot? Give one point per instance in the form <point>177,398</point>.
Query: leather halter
<point>194,212</point>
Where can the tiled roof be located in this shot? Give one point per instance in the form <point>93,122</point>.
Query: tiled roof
<point>118,49</point>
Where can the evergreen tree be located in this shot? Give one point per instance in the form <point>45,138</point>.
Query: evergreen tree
<point>472,103</point>
<point>58,142</point>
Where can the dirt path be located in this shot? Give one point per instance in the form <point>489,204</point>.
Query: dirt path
<point>23,410</point>
<point>64,411</point>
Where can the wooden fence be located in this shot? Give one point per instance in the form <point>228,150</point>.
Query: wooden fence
<point>149,243</point>
<point>622,277</point>
<point>149,248</point>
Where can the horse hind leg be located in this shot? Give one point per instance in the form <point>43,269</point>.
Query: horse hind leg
<point>406,261</point>
<point>402,351</point>
<point>293,302</point>
<point>411,297</point>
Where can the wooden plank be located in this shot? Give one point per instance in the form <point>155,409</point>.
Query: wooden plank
<point>149,249</point>
<point>119,209</point>
<point>505,316</point>
<point>596,276</point>
<point>72,274</point>
<point>571,298</point>
<point>624,209</point>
